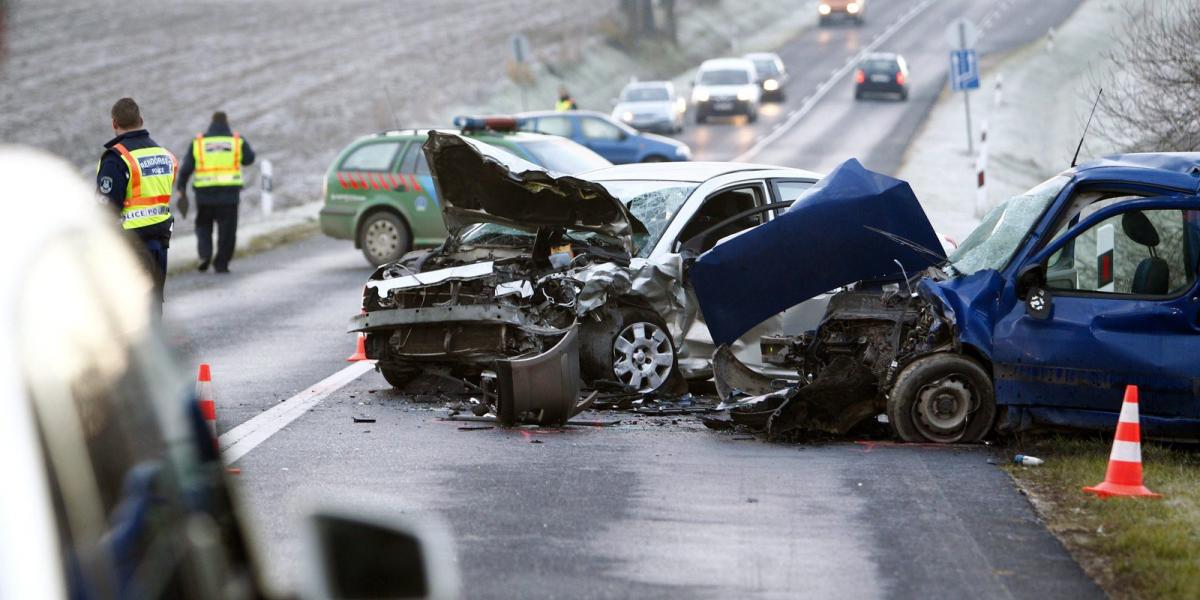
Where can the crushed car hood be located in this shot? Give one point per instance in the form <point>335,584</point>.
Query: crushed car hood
<point>479,183</point>
<point>825,240</point>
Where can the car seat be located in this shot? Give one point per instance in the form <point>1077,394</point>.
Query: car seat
<point>1153,273</point>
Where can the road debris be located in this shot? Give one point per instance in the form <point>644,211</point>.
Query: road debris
<point>362,418</point>
<point>1028,461</point>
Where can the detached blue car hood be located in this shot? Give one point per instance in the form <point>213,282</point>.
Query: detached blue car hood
<point>826,239</point>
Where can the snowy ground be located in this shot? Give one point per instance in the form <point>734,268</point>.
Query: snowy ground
<point>1046,94</point>
<point>302,78</point>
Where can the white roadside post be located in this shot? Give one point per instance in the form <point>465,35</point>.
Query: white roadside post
<point>981,196</point>
<point>268,201</point>
<point>1105,258</point>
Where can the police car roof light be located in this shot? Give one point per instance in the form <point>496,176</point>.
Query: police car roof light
<point>493,123</point>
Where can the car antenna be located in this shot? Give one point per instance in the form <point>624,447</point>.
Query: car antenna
<point>387,93</point>
<point>1086,126</point>
<point>939,258</point>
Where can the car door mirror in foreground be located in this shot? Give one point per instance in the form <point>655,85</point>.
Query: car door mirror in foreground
<point>357,551</point>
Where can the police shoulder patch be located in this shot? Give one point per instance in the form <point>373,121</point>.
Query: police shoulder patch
<point>106,184</point>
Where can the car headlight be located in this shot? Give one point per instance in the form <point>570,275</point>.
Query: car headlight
<point>627,116</point>
<point>680,105</point>
<point>770,85</point>
<point>683,152</point>
<point>745,95</point>
<point>700,96</point>
<point>823,8</point>
<point>852,8</point>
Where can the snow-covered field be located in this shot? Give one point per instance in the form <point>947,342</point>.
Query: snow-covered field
<point>299,78</point>
<point>1046,94</point>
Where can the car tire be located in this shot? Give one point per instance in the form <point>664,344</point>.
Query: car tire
<point>752,116</point>
<point>654,158</point>
<point>384,237</point>
<point>641,354</point>
<point>942,398</point>
<point>700,117</point>
<point>858,95</point>
<point>398,377</point>
<point>903,95</point>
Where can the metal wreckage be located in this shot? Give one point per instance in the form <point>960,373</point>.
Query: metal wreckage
<point>1009,331</point>
<point>532,313</point>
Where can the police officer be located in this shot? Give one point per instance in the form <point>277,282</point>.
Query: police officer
<point>216,158</point>
<point>565,101</point>
<point>135,176</point>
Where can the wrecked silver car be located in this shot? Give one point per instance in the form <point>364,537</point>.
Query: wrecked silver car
<point>534,256</point>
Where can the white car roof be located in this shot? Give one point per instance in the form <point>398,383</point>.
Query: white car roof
<point>726,63</point>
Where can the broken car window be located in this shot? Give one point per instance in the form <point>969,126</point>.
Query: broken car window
<point>995,240</point>
<point>654,203</point>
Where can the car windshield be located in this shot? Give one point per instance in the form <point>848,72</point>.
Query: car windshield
<point>766,67</point>
<point>653,203</point>
<point>724,77</point>
<point>645,94</point>
<point>564,156</point>
<point>994,241</point>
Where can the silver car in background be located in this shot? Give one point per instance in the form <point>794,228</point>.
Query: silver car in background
<point>651,106</point>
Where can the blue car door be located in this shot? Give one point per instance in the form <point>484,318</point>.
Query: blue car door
<point>608,140</point>
<point>1121,306</point>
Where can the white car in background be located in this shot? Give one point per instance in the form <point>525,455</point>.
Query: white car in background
<point>726,87</point>
<point>651,106</point>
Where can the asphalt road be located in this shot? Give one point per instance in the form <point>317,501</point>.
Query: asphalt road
<point>653,507</point>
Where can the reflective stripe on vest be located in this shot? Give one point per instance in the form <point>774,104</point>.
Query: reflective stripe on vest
<point>218,160</point>
<point>148,193</point>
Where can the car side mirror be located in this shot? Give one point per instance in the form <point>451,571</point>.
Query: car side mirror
<point>1031,287</point>
<point>357,551</point>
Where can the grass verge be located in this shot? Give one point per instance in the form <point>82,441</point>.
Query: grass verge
<point>1134,548</point>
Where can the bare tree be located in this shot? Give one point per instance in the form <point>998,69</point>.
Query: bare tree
<point>1151,97</point>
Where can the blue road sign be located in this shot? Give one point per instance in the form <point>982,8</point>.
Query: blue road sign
<point>964,70</point>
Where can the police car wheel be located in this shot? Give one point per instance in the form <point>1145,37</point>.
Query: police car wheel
<point>384,238</point>
<point>942,398</point>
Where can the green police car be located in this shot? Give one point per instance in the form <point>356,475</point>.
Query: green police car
<point>379,193</point>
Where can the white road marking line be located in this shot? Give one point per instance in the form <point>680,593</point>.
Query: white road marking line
<point>811,101</point>
<point>240,440</point>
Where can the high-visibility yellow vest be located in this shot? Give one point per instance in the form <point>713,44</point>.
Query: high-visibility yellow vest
<point>148,193</point>
<point>218,161</point>
<point>564,105</point>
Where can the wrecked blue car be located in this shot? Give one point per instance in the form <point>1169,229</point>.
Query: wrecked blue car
<point>1060,298</point>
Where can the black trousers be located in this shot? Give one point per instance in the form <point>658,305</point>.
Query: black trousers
<point>225,216</point>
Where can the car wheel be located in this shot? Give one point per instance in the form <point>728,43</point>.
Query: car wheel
<point>700,118</point>
<point>943,398</point>
<point>384,238</point>
<point>397,377</point>
<point>752,116</point>
<point>903,95</point>
<point>643,355</point>
<point>858,95</point>
<point>653,158</point>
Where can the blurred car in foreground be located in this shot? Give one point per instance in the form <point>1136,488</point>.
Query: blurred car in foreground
<point>772,75</point>
<point>726,87</point>
<point>585,271</point>
<point>881,73</point>
<point>651,106</point>
<point>120,491</point>
<point>378,191</point>
<point>828,10</point>
<point>605,136</point>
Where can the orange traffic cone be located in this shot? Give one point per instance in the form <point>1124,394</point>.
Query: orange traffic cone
<point>1124,476</point>
<point>208,406</point>
<point>360,350</point>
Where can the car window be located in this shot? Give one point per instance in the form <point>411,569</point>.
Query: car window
<point>654,204</point>
<point>994,241</point>
<point>371,157</point>
<point>766,67</point>
<point>413,156</point>
<point>788,191</point>
<point>1143,252</point>
<point>598,129</point>
<point>560,126</point>
<point>564,156</point>
<point>110,412</point>
<point>725,77</point>
<point>719,207</point>
<point>880,65</point>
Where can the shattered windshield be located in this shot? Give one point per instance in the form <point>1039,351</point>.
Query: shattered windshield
<point>653,203</point>
<point>995,240</point>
